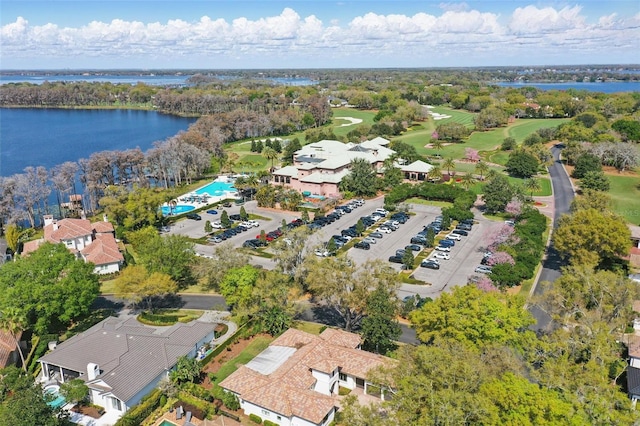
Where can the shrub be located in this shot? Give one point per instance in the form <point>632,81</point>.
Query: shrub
<point>508,144</point>
<point>137,414</point>
<point>269,423</point>
<point>230,401</point>
<point>585,163</point>
<point>254,418</point>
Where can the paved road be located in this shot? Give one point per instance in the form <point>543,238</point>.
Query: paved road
<point>563,195</point>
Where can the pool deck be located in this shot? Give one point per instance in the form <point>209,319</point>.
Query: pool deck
<point>194,199</point>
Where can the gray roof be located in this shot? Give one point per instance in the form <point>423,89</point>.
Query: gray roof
<point>270,359</point>
<point>129,354</point>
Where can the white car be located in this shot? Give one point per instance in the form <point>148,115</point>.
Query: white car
<point>482,269</point>
<point>453,237</point>
<point>321,253</point>
<point>384,230</point>
<point>370,240</point>
<point>442,255</point>
<point>443,248</point>
<point>253,223</point>
<point>216,225</point>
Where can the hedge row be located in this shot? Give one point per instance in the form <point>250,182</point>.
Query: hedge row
<point>222,346</point>
<point>203,409</point>
<point>137,414</point>
<point>462,199</point>
<point>255,418</point>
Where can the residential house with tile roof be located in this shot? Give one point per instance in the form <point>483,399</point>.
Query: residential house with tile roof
<point>295,381</point>
<point>8,350</point>
<point>121,360</point>
<point>93,242</point>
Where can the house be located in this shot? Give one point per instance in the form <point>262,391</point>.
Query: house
<point>8,350</point>
<point>633,370</point>
<point>296,380</point>
<point>121,360</point>
<point>318,168</point>
<point>93,242</point>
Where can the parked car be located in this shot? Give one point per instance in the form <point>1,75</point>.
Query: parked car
<point>376,235</point>
<point>226,204</point>
<point>464,226</point>
<point>258,242</point>
<point>443,248</point>
<point>320,252</point>
<point>483,269</point>
<point>250,244</point>
<point>460,232</point>
<point>418,240</point>
<point>510,222</point>
<point>212,211</point>
<point>235,217</point>
<point>362,245</point>
<point>430,264</point>
<point>400,252</point>
<point>384,230</point>
<point>215,239</point>
<point>452,236</point>
<point>447,243</point>
<point>441,255</point>
<point>194,216</point>
<point>370,240</point>
<point>413,247</point>
<point>467,222</point>
<point>381,211</point>
<point>395,259</point>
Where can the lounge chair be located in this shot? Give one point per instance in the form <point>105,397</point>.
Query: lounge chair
<point>188,418</point>
<point>179,412</point>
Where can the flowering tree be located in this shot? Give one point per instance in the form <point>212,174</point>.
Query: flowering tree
<point>435,135</point>
<point>514,207</point>
<point>471,154</point>
<point>485,284</point>
<point>500,257</point>
<point>498,235</point>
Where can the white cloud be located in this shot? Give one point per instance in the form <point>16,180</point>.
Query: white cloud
<point>458,35</point>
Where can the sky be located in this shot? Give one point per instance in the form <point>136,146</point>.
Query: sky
<point>265,34</point>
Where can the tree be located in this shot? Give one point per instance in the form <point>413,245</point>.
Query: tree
<point>359,227</point>
<point>270,154</point>
<point>393,177</point>
<point>263,235</point>
<point>51,287</point>
<point>75,391</point>
<point>140,286</point>
<point>289,253</point>
<point>628,129</point>
<point>343,286</point>
<point>596,181</point>
<point>449,164</point>
<point>591,199</point>
<point>435,174</point>
<point>467,181</point>
<point>586,162</point>
<point>210,272</point>
<point>305,216</point>
<point>237,286</point>
<point>590,237</point>
<point>522,164</point>
<point>481,168</point>
<point>361,179</point>
<point>224,219</point>
<point>13,321</point>
<point>430,237</point>
<point>532,185</point>
<point>471,154</point>
<point>207,227</point>
<point>332,247</point>
<point>437,145</point>
<point>12,236</point>
<point>452,132</point>
<point>508,144</point>
<point>408,259</point>
<point>186,370</point>
<point>243,214</point>
<point>497,194</point>
<point>474,318</point>
<point>380,327</point>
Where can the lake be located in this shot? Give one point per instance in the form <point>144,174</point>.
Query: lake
<point>605,87</point>
<point>48,137</point>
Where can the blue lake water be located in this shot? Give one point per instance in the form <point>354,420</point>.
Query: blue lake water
<point>605,87</point>
<point>48,137</point>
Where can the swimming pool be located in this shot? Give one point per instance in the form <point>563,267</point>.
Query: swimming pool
<point>58,400</point>
<point>216,189</point>
<point>178,209</point>
<point>167,423</point>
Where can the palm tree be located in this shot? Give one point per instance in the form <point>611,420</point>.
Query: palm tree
<point>482,169</point>
<point>437,145</point>
<point>532,185</point>
<point>435,174</point>
<point>12,320</point>
<point>449,164</point>
<point>467,181</point>
<point>270,154</point>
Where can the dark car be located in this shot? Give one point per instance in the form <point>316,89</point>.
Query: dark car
<point>235,217</point>
<point>447,243</point>
<point>349,232</point>
<point>377,235</point>
<point>242,228</point>
<point>212,211</point>
<point>467,222</point>
<point>413,247</point>
<point>362,245</point>
<point>460,232</point>
<point>258,242</point>
<point>344,209</point>
<point>464,227</point>
<point>250,244</point>
<point>418,240</point>
<point>395,259</point>
<point>193,216</point>
<point>226,204</point>
<point>430,264</point>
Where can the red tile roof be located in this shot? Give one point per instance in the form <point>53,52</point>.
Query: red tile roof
<point>102,227</point>
<point>287,390</point>
<point>67,229</point>
<point>103,250</point>
<point>7,346</point>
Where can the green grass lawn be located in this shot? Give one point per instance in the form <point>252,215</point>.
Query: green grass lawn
<point>545,186</point>
<point>457,116</point>
<point>625,196</point>
<point>309,327</point>
<point>259,344</point>
<point>523,127</point>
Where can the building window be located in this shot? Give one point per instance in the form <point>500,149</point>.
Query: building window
<point>116,403</point>
<point>278,417</point>
<point>343,377</point>
<point>266,413</point>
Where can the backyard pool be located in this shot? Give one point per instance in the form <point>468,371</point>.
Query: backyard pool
<point>216,189</point>
<point>178,209</point>
<point>167,423</point>
<point>58,400</point>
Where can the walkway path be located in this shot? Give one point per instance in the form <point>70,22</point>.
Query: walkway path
<point>220,317</point>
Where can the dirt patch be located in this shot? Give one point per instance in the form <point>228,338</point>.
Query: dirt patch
<point>88,411</point>
<point>230,352</point>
